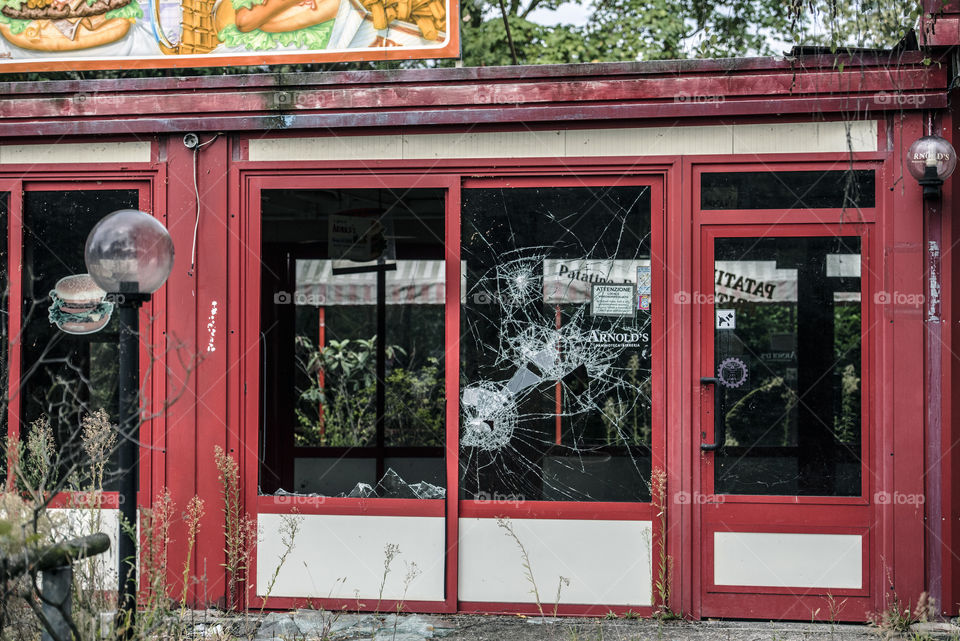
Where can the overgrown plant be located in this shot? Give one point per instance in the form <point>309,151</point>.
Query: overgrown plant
<point>897,618</point>
<point>192,517</point>
<point>664,582</point>
<point>289,529</point>
<point>411,575</point>
<point>38,471</point>
<point>238,529</point>
<point>834,608</point>
<point>390,552</point>
<point>507,527</point>
<point>155,523</point>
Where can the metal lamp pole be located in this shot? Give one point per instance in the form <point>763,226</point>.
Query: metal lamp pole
<point>128,303</point>
<point>129,254</point>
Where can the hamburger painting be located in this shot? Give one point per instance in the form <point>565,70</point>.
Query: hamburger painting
<point>66,25</point>
<point>260,25</point>
<point>79,305</point>
<point>51,34</point>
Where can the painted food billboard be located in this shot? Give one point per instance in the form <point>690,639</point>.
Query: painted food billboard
<point>105,34</point>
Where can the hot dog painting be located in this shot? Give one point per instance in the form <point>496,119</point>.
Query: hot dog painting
<point>220,31</point>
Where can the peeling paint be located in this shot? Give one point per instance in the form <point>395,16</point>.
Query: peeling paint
<point>933,285</point>
<point>212,327</point>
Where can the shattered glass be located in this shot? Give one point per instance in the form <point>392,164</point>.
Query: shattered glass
<point>391,486</point>
<point>555,399</point>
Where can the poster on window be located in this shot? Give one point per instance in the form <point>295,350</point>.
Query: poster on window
<point>43,35</point>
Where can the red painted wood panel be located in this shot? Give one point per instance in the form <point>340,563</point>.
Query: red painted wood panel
<point>692,89</point>
<point>198,419</point>
<point>581,112</point>
<point>669,68</point>
<point>903,273</point>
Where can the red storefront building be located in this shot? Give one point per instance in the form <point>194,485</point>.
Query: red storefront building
<point>685,319</point>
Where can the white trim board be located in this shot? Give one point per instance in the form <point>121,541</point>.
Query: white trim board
<point>72,153</point>
<point>807,137</point>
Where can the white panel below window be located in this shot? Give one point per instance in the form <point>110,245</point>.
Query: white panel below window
<point>607,562</point>
<point>779,559</point>
<point>341,556</point>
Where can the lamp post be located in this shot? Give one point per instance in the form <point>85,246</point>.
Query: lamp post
<point>931,160</point>
<point>129,254</point>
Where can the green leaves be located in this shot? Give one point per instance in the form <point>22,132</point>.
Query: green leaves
<point>622,30</point>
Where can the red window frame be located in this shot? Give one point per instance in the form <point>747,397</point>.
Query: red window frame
<point>245,292</point>
<point>617,510</point>
<point>248,292</point>
<point>151,468</point>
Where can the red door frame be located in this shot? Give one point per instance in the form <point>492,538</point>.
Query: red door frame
<point>151,316</point>
<point>681,223</point>
<point>781,514</point>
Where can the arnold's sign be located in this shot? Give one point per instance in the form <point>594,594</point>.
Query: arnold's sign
<point>44,35</point>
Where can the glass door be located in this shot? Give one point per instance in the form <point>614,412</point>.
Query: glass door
<point>783,431</point>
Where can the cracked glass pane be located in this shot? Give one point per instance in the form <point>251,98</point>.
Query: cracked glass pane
<point>555,399</point>
<point>787,358</point>
<point>346,414</point>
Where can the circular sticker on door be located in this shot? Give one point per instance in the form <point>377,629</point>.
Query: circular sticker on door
<point>732,372</point>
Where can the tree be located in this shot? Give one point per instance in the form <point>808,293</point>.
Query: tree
<point>620,30</point>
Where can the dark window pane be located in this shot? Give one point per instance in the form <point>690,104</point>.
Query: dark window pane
<point>788,189</point>
<point>555,344</point>
<point>336,264</point>
<point>65,376</point>
<point>789,365</point>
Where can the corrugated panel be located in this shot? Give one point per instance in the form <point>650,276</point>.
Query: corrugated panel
<point>498,144</point>
<point>98,152</point>
<point>647,141</point>
<point>807,137</point>
<point>327,148</point>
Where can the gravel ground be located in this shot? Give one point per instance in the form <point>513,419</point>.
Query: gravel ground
<point>307,625</point>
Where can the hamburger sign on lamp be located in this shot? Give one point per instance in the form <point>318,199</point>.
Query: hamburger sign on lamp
<point>129,254</point>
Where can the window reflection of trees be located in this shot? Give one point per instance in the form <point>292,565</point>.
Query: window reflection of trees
<point>794,426</point>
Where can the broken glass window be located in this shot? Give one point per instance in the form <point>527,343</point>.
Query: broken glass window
<point>556,397</point>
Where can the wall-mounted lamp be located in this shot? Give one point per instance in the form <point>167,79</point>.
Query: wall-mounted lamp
<point>931,160</point>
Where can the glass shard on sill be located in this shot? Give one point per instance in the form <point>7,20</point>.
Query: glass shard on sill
<point>391,486</point>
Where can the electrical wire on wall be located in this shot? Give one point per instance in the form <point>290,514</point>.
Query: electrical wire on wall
<point>192,141</point>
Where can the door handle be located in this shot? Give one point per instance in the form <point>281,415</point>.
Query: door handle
<point>719,425</point>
